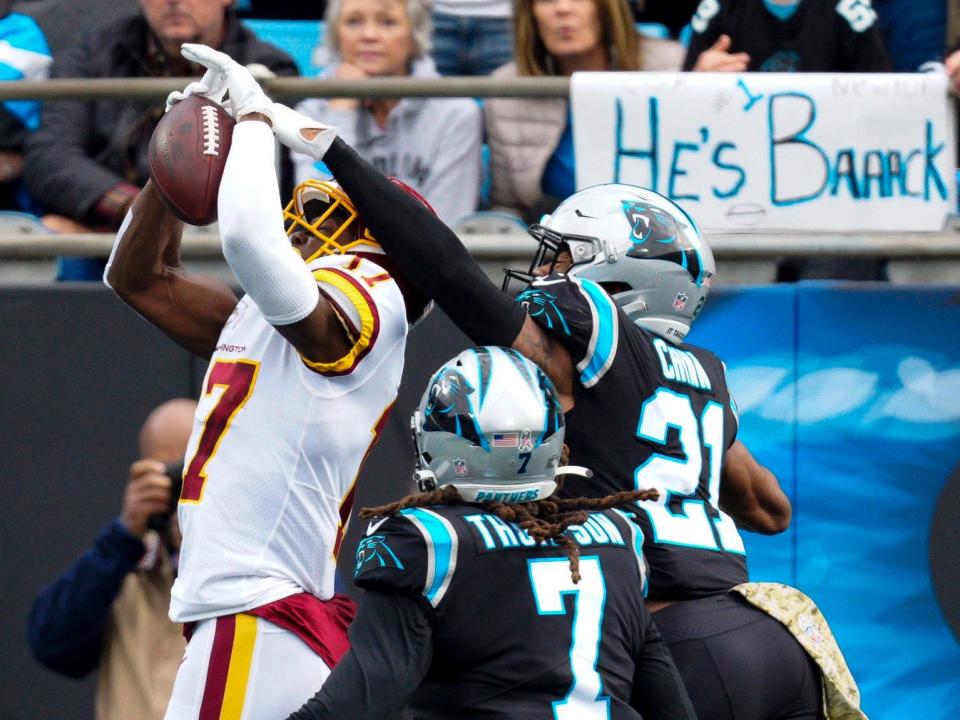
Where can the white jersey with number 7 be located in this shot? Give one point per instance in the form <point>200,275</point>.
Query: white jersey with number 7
<point>277,444</point>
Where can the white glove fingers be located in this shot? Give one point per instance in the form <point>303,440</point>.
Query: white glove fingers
<point>226,75</point>
<point>207,56</point>
<point>173,98</point>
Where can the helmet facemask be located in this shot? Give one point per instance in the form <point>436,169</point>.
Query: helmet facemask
<point>313,204</point>
<point>550,243</point>
<point>641,247</point>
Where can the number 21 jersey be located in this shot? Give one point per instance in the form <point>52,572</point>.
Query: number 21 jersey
<point>648,413</point>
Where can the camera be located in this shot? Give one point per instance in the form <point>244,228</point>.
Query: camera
<point>161,521</point>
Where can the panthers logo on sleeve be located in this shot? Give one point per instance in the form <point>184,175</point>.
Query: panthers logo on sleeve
<point>375,551</point>
<point>581,315</point>
<point>392,557</point>
<point>542,306</point>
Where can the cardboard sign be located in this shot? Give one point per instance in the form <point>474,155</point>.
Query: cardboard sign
<point>775,151</point>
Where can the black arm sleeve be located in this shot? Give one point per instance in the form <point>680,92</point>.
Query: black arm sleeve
<point>658,691</point>
<point>390,651</point>
<point>427,252</point>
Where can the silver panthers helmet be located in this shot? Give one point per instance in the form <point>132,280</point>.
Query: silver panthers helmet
<point>642,247</point>
<point>490,424</point>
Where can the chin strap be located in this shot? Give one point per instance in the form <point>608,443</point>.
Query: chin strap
<point>577,470</point>
<point>426,479</point>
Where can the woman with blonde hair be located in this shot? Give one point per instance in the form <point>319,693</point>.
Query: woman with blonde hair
<point>531,139</point>
<point>431,144</point>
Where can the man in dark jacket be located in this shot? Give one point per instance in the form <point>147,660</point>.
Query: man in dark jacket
<point>108,611</point>
<point>88,160</point>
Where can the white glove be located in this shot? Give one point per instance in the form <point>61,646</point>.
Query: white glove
<point>288,124</point>
<point>245,94</point>
<point>211,86</point>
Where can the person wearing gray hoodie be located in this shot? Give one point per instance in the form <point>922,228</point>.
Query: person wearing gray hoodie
<point>432,144</point>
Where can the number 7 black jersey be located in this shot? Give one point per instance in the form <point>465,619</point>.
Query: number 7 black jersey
<point>648,414</point>
<point>513,636</point>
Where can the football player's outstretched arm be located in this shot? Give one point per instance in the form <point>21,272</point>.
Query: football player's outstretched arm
<point>431,255</point>
<point>751,493</point>
<point>145,271</point>
<point>425,249</point>
<point>259,252</point>
<point>255,244</point>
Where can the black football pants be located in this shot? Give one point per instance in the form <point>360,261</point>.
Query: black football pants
<point>738,663</point>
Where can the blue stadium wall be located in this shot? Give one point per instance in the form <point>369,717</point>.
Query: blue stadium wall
<point>850,393</point>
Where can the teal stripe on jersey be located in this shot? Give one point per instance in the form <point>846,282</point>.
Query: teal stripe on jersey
<point>603,344</point>
<point>637,533</point>
<point>441,540</point>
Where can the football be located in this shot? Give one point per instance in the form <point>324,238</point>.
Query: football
<point>188,151</point>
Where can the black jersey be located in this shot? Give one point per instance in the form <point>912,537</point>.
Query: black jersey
<point>513,636</point>
<point>648,414</point>
<point>821,35</point>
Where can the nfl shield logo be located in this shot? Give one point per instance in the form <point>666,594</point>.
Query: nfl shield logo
<point>460,467</point>
<point>680,301</point>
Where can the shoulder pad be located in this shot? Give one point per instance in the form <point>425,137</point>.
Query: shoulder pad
<point>391,557</point>
<point>413,552</point>
<point>555,304</point>
<point>580,314</point>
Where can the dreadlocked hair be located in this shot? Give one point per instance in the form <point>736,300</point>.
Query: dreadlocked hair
<point>543,520</point>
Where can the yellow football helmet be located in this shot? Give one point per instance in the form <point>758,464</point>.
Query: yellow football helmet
<point>316,201</point>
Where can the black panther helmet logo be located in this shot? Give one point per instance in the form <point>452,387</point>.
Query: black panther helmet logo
<point>449,409</point>
<point>655,234</point>
<point>649,223</point>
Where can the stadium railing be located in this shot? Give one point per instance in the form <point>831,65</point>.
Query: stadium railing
<point>741,246</point>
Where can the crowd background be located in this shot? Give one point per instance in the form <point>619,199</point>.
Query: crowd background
<point>78,165</point>
<point>511,157</point>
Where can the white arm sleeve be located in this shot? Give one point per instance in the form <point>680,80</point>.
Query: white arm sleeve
<point>251,229</point>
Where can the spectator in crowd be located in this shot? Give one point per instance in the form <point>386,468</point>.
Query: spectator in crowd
<point>281,9</point>
<point>913,31</point>
<point>952,64</point>
<point>792,36</point>
<point>432,144</point>
<point>67,23</point>
<point>673,14</point>
<point>531,140</point>
<point>24,55</point>
<point>471,37</point>
<point>109,610</point>
<point>88,159</point>
<point>786,36</point>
